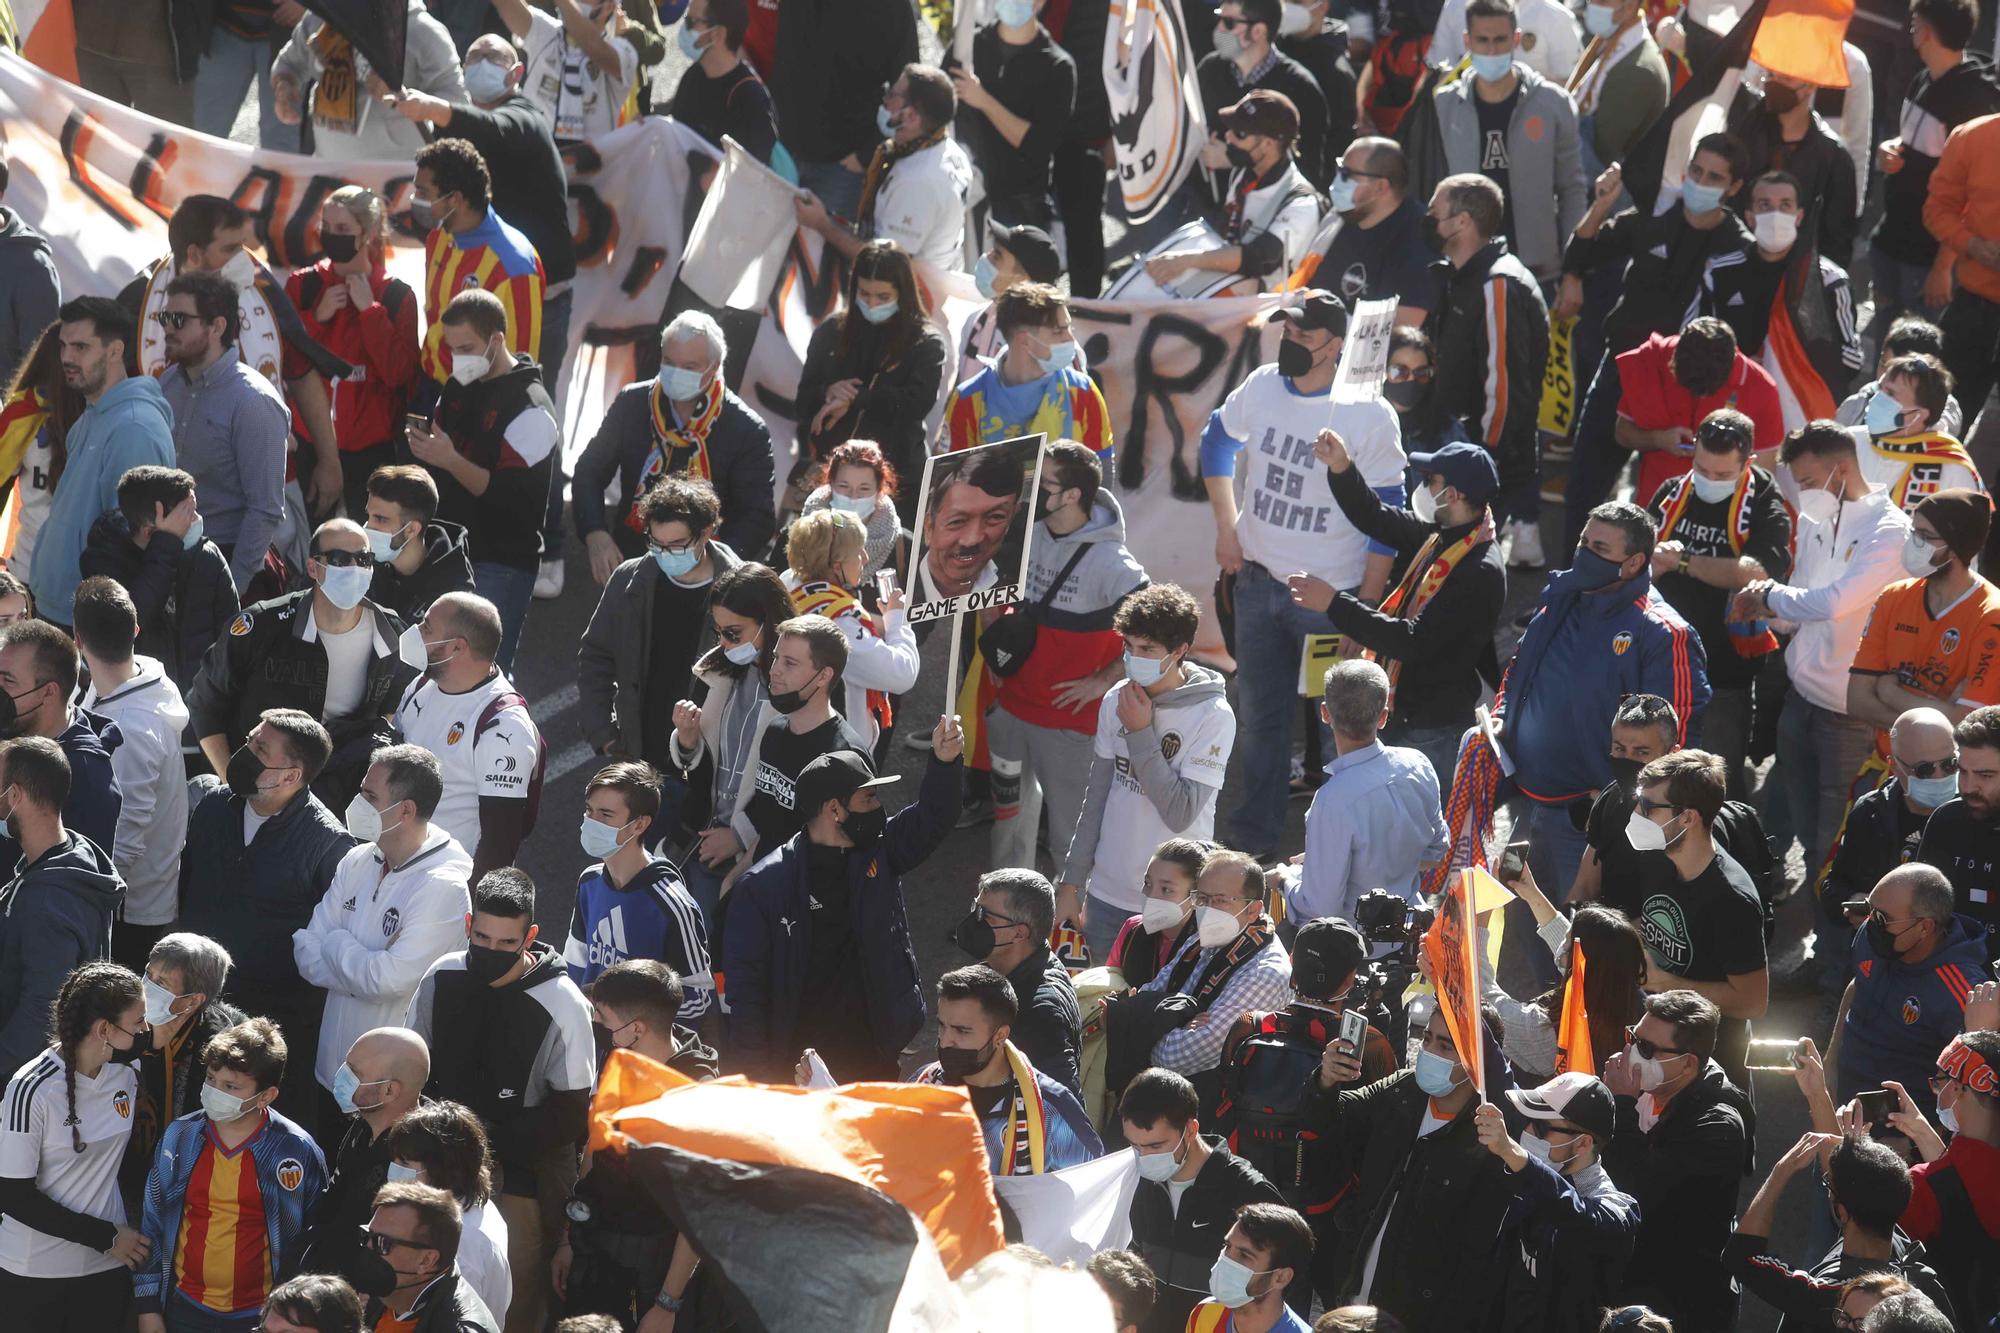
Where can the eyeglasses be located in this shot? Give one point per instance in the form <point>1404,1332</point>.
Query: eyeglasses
<point>1225,902</point>
<point>1933,768</point>
<point>1347,173</point>
<point>1842,1319</point>
<point>1646,807</point>
<point>174,319</point>
<point>381,1242</point>
<point>1411,374</point>
<point>344,559</point>
<point>678,548</point>
<point>1648,1050</point>
<point>1940,1081</point>
<point>1883,920</point>
<point>1224,21</point>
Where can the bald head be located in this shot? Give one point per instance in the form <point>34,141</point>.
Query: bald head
<point>392,1064</point>
<point>495,48</point>
<point>466,616</point>
<point>339,534</point>
<point>1922,735</point>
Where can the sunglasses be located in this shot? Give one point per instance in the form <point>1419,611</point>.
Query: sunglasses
<point>1649,1050</point>
<point>1347,173</point>
<point>175,319</point>
<point>382,1242</point>
<point>1933,768</point>
<point>343,559</point>
<point>1407,374</point>
<point>1646,807</point>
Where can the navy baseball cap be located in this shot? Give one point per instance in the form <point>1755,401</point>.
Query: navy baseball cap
<point>1466,468</point>
<point>1032,249</point>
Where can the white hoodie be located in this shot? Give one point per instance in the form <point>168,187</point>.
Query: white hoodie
<point>152,787</point>
<point>375,934</point>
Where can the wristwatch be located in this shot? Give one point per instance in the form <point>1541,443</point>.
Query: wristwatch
<point>671,1304</point>
<point>1682,567</point>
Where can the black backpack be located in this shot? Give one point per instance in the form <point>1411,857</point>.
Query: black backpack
<point>1268,1084</point>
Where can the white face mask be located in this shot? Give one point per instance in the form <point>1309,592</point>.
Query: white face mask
<point>221,1106</point>
<point>159,1004</point>
<point>1424,503</point>
<point>1776,231</point>
<point>1948,1118</point>
<point>241,270</point>
<point>1229,1283</point>
<point>364,821</point>
<point>1216,927</point>
<point>1158,915</point>
<point>1644,834</point>
<point>469,368</point>
<point>1713,490</point>
<point>1159,1167</point>
<point>1920,558</point>
<point>1820,503</point>
<point>346,585</point>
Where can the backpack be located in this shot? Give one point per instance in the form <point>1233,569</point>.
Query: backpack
<point>1741,834</point>
<point>1269,1076</point>
<point>489,718</point>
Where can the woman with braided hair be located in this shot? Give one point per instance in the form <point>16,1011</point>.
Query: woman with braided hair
<point>65,1119</point>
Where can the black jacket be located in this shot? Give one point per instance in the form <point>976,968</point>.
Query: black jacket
<point>186,599</point>
<point>833,59</point>
<point>1703,529</point>
<point>1036,82</point>
<point>94,799</point>
<point>449,1305</point>
<point>356,1170</point>
<point>614,671</point>
<point>1441,649</point>
<point>530,189</point>
<point>1819,162</point>
<point>741,465</point>
<point>894,399</point>
<point>1663,259</point>
<point>1050,1025</point>
<point>1494,391</point>
<point>1932,109</point>
<point>1442,1199</point>
<point>187,1074</point>
<point>768,945</point>
<point>503,524</point>
<point>55,916</point>
<point>1180,1247</point>
<point>1881,833</point>
<point>1220,88</point>
<point>447,568</point>
<point>1685,1175</point>
<point>1967,849</point>
<point>249,899</point>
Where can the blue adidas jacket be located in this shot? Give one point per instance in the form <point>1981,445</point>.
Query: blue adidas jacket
<point>291,1176</point>
<point>1903,1015</point>
<point>1581,655</point>
<point>1068,1140</point>
<point>655,917</point>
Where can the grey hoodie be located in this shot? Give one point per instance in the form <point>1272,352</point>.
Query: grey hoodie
<point>1180,800</point>
<point>1106,575</point>
<point>430,65</point>
<point>30,291</point>
<point>55,914</point>
<point>1544,162</point>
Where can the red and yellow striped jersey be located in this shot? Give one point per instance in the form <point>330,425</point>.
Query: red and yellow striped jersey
<point>493,256</point>
<point>223,1259</point>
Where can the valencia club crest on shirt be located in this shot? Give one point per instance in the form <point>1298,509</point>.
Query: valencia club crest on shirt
<point>1948,642</point>
<point>121,1102</point>
<point>1620,642</point>
<point>1912,1010</point>
<point>390,920</point>
<point>291,1173</point>
<point>240,626</point>
<point>457,730</point>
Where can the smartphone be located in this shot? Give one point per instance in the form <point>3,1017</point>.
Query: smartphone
<point>885,583</point>
<point>417,421</point>
<point>1855,907</point>
<point>1353,1030</point>
<point>1512,862</point>
<point>1875,1106</point>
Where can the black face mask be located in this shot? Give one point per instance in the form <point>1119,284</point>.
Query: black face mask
<point>489,965</point>
<point>864,828</point>
<point>242,772</point>
<point>788,701</point>
<point>1433,237</point>
<point>1406,395</point>
<point>973,935</point>
<point>373,1275</point>
<point>12,723</point>
<point>1294,359</point>
<point>131,1053</point>
<point>956,1062</point>
<point>339,248</point>
<point>1625,772</point>
<point>1883,940</point>
<point>1779,98</point>
<point>1045,505</point>
<point>1238,155</point>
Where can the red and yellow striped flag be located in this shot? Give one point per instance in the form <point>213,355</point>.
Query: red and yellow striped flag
<point>1573,1050</point>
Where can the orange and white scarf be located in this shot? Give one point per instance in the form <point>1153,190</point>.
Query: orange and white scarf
<point>1426,574</point>
<point>825,599</point>
<point>258,341</point>
<point>677,448</point>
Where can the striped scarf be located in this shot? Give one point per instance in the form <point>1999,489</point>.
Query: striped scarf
<point>676,448</point>
<point>21,420</point>
<point>1468,815</point>
<point>1024,1140</point>
<point>887,154</point>
<point>1910,452</point>
<point>337,95</point>
<point>1750,638</point>
<point>824,599</point>
<point>1426,574</point>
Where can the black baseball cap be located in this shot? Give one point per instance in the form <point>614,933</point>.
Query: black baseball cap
<point>1466,468</point>
<point>834,776</point>
<point>1263,111</point>
<point>1326,950</point>
<point>1032,248</point>
<point>1315,309</point>
<point>1577,1097</point>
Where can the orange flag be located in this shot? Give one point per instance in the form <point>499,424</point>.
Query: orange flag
<point>919,1145</point>
<point>1452,947</point>
<point>1573,1051</point>
<point>1801,40</point>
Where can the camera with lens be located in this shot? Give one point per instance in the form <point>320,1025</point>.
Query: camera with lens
<point>1385,918</point>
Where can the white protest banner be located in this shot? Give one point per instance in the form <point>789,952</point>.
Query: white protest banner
<point>1364,354</point>
<point>100,180</point>
<point>1157,125</point>
<point>1077,1212</point>
<point>742,235</point>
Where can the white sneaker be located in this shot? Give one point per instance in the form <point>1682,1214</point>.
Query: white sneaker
<point>549,581</point>
<point>1524,545</point>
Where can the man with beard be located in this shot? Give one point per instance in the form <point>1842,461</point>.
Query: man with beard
<point>38,669</point>
<point>1963,836</point>
<point>1365,260</point>
<point>126,423</point>
<point>969,516</point>
<point>1032,1123</point>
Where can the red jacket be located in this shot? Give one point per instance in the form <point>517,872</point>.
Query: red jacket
<point>1652,399</point>
<point>381,346</point>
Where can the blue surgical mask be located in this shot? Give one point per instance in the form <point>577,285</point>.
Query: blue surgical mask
<point>885,122</point>
<point>400,1174</point>
<point>345,1084</point>
<point>676,563</point>
<point>1599,20</point>
<point>681,383</point>
<point>741,654</point>
<point>690,44</point>
<point>1493,68</point>
<point>877,314</point>
<point>346,585</point>
<point>1060,354</point>
<point>1713,490</point>
<point>1341,195</point>
<point>1591,571</point>
<point>1883,415</point>
<point>194,534</point>
<point>381,545</point>
<point>1948,1119</point>
<point>1697,198</point>
<point>1014,13</point>
<point>487,82</point>
<point>1145,671</point>
<point>1434,1074</point>
<point>1931,793</point>
<point>848,504</point>
<point>984,275</point>
<point>600,840</point>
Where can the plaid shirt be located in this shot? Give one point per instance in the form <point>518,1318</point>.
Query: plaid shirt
<point>1260,985</point>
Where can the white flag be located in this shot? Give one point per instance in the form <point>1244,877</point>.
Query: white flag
<point>1157,124</point>
<point>741,236</point>
<point>1364,353</point>
<point>1077,1212</point>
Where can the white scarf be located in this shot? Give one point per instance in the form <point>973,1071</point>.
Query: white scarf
<point>257,337</point>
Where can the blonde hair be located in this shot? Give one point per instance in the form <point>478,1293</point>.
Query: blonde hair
<point>820,541</point>
<point>368,211</point>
